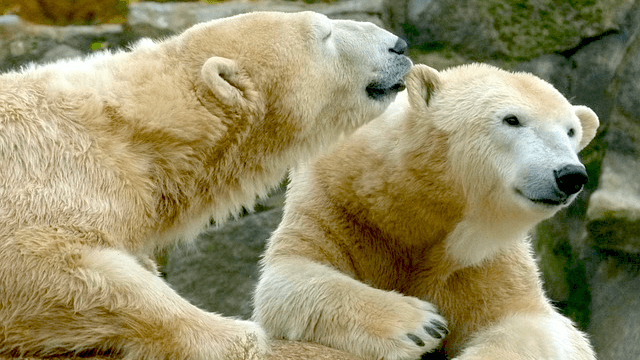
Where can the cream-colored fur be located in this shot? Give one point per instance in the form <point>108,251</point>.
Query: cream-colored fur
<point>105,159</point>
<point>280,350</point>
<point>428,207</point>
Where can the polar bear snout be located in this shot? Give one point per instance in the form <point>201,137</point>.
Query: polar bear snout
<point>390,78</point>
<point>553,187</point>
<point>400,47</point>
<point>570,179</point>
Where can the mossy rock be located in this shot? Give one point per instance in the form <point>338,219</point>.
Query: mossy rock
<point>506,29</point>
<point>530,28</point>
<point>67,12</point>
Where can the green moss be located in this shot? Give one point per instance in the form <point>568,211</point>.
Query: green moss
<point>564,273</point>
<point>530,28</point>
<point>552,261</point>
<point>95,46</point>
<point>439,58</point>
<point>615,233</point>
<point>578,305</point>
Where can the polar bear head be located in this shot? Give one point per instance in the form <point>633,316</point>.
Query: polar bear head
<point>512,139</point>
<point>310,76</point>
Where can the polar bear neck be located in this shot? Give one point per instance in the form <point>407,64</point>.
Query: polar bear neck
<point>474,240</point>
<point>410,203</point>
<point>177,177</point>
<point>410,197</point>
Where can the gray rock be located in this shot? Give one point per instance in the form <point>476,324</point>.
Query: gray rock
<point>10,25</point>
<point>220,271</point>
<point>17,48</point>
<point>23,49</point>
<point>614,208</point>
<point>458,24</point>
<point>275,199</point>
<point>627,86</point>
<point>22,42</point>
<point>60,52</point>
<point>490,29</point>
<point>615,307</point>
<point>157,19</point>
<point>593,57</point>
<point>595,68</point>
<point>13,27</point>
<point>553,68</point>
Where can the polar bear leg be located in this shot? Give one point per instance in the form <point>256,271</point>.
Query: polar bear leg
<point>75,296</point>
<point>302,300</point>
<point>529,336</point>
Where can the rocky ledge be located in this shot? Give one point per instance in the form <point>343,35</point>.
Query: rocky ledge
<point>589,253</point>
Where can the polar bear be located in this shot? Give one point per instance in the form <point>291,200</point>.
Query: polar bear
<point>104,160</point>
<point>424,213</point>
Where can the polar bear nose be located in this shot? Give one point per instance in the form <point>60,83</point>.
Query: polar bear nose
<point>571,178</point>
<point>400,47</point>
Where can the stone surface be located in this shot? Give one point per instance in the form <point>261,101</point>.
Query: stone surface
<point>485,29</point>
<point>615,307</point>
<point>554,68</point>
<point>559,243</point>
<point>462,25</point>
<point>60,52</point>
<point>157,19</point>
<point>626,86</point>
<point>614,209</point>
<point>595,67</point>
<point>220,271</point>
<point>22,42</point>
<point>588,252</point>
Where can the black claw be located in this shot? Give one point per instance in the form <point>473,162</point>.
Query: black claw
<point>440,326</point>
<point>433,332</point>
<point>416,339</point>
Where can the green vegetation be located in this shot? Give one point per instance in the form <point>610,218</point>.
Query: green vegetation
<point>565,276</point>
<point>533,27</point>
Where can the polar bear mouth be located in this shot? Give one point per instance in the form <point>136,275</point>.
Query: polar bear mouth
<point>548,201</point>
<point>378,91</point>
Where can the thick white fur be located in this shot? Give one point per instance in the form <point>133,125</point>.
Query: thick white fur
<point>526,336</point>
<point>105,159</point>
<point>434,201</point>
<point>353,315</point>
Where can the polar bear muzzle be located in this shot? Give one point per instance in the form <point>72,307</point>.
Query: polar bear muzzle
<point>571,178</point>
<point>393,80</point>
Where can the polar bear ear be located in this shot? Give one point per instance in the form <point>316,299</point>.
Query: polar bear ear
<point>589,121</point>
<point>225,79</point>
<point>422,82</point>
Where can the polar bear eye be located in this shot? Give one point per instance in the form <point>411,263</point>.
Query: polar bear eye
<point>512,120</point>
<point>571,132</point>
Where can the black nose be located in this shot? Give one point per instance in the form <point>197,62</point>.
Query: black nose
<point>400,47</point>
<point>571,178</point>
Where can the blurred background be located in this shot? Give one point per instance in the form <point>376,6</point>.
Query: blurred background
<point>589,253</point>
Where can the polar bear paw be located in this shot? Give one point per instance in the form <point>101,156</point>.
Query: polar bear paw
<point>405,329</point>
<point>225,339</point>
<point>249,343</point>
